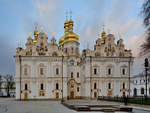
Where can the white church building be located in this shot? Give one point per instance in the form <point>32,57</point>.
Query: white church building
<point>47,70</point>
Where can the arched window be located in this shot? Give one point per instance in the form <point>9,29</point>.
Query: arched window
<point>109,85</point>
<point>57,86</point>
<point>123,86</point>
<point>109,47</point>
<point>123,71</point>
<point>25,71</point>
<point>78,89</point>
<point>71,74</point>
<point>42,86</point>
<point>142,90</point>
<point>109,71</point>
<point>26,86</point>
<point>95,71</point>
<point>95,86</point>
<point>135,92</point>
<point>57,71</point>
<point>77,74</point>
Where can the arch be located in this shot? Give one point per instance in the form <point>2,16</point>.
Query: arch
<point>142,90</point>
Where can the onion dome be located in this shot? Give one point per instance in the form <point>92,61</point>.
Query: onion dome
<point>71,37</point>
<point>103,34</point>
<point>61,41</point>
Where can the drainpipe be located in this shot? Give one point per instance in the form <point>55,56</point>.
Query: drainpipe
<point>20,75</point>
<point>90,77</point>
<point>62,78</point>
<point>129,75</point>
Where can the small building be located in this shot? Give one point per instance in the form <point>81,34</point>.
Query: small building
<point>138,85</point>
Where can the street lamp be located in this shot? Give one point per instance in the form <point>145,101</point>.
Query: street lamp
<point>146,68</point>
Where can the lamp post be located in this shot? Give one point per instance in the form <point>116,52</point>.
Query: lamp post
<point>20,75</point>
<point>146,68</point>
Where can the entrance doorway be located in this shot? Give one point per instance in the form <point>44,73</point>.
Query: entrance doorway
<point>95,94</point>
<point>57,95</point>
<point>71,94</point>
<point>123,94</point>
<point>25,95</point>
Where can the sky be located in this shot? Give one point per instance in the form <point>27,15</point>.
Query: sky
<point>120,17</point>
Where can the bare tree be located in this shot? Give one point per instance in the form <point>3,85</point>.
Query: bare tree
<point>145,47</point>
<point>0,82</point>
<point>9,83</point>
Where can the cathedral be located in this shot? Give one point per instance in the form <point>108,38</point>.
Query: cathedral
<point>51,70</point>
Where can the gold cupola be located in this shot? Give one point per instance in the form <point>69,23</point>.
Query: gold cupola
<point>103,35</point>
<point>69,36</point>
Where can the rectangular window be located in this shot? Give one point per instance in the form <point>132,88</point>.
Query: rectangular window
<point>25,71</point>
<point>57,71</point>
<point>123,86</point>
<point>77,74</point>
<point>41,71</point>
<point>109,71</point>
<point>123,72</point>
<point>109,85</point>
<point>71,74</point>
<point>26,87</point>
<point>42,87</point>
<point>57,86</point>
<point>78,89</point>
<point>95,71</point>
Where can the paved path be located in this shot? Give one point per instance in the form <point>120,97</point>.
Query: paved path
<point>8,105</point>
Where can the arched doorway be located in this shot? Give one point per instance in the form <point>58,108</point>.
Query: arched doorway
<point>57,95</point>
<point>25,95</point>
<point>71,94</point>
<point>135,92</point>
<point>123,94</point>
<point>95,94</point>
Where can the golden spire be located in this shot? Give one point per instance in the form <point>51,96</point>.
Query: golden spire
<point>70,23</point>
<point>66,24</point>
<point>35,32</point>
<point>103,34</point>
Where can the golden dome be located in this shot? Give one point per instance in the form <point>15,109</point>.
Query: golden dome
<point>71,37</point>
<point>61,41</point>
<point>103,34</point>
<point>34,41</point>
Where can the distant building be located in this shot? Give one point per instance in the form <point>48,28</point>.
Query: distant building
<point>47,70</point>
<point>138,85</point>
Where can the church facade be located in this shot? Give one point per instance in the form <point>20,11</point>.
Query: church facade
<point>47,70</point>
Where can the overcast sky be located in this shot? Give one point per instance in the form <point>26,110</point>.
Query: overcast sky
<point>17,18</point>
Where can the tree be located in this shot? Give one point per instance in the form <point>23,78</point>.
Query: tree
<point>145,47</point>
<point>9,83</point>
<point>0,82</point>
